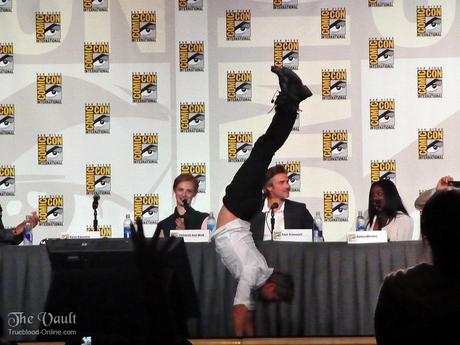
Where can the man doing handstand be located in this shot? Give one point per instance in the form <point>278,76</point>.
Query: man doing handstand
<point>242,200</point>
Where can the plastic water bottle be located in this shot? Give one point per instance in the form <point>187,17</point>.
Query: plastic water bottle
<point>360,222</point>
<point>27,232</point>
<point>318,228</point>
<point>211,222</point>
<point>127,227</point>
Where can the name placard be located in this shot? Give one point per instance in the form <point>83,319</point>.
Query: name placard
<point>191,235</point>
<point>293,235</point>
<point>358,237</point>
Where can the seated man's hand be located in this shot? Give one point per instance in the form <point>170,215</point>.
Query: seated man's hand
<point>443,182</point>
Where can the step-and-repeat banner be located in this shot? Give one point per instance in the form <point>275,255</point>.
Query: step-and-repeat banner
<point>116,98</point>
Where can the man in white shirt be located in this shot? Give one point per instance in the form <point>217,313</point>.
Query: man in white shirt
<point>242,200</point>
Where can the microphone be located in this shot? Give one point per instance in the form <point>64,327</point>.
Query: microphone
<point>1,214</point>
<point>96,198</point>
<point>272,213</point>
<point>185,204</point>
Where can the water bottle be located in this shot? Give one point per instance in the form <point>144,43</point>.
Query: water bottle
<point>318,228</point>
<point>27,232</point>
<point>211,222</point>
<point>127,227</point>
<point>360,222</point>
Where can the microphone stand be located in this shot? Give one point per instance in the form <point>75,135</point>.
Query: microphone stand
<point>96,198</point>
<point>272,221</point>
<point>1,222</point>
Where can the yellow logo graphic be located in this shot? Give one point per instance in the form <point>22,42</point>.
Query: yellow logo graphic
<point>199,171</point>
<point>145,148</point>
<point>104,230</point>
<point>147,208</point>
<point>282,4</point>
<point>98,179</point>
<point>430,143</point>
<point>49,88</point>
<point>238,25</point>
<point>382,113</point>
<point>143,26</point>
<point>50,149</point>
<point>333,23</point>
<point>293,171</point>
<point>429,82</point>
<point>6,6</point>
<point>429,20</point>
<point>335,206</point>
<point>335,145</point>
<point>96,57</point>
<point>6,57</point>
<point>7,119</point>
<point>381,52</point>
<point>51,210</point>
<point>48,27</point>
<point>191,56</point>
<point>239,146</point>
<point>383,170</point>
<point>95,6</point>
<point>144,87</point>
<point>239,86</point>
<point>187,5</point>
<point>192,117</point>
<point>7,180</point>
<point>334,84</point>
<point>97,118</point>
<point>380,3</point>
<point>286,54</point>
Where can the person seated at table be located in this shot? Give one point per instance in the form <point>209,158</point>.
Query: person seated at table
<point>287,215</point>
<point>15,235</point>
<point>443,183</point>
<point>185,188</point>
<point>421,304</point>
<point>387,212</point>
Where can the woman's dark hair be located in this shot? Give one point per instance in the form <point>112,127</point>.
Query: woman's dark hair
<point>186,177</point>
<point>392,204</point>
<point>440,226</point>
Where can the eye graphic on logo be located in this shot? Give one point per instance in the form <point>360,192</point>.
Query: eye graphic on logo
<point>290,58</point>
<point>386,116</point>
<point>194,3</point>
<point>150,212</point>
<point>244,89</point>
<point>6,184</point>
<point>340,148</point>
<point>148,90</point>
<point>243,150</point>
<point>53,30</point>
<point>4,3</point>
<point>434,24</point>
<point>102,183</point>
<point>54,91</point>
<point>149,151</point>
<point>385,55</point>
<point>340,210</point>
<point>200,178</point>
<point>54,153</point>
<point>102,122</point>
<point>6,123</point>
<point>434,86</point>
<point>435,146</point>
<point>337,27</point>
<point>196,60</point>
<point>99,3</point>
<point>243,28</point>
<point>339,88</point>
<point>294,179</point>
<point>101,61</point>
<point>6,60</point>
<point>196,120</point>
<point>55,214</point>
<point>389,175</point>
<point>147,29</point>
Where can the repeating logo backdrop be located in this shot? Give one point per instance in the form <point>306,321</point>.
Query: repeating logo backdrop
<point>178,86</point>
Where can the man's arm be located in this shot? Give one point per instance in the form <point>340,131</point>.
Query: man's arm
<point>243,321</point>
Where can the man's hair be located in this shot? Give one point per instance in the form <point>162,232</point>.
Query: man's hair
<point>284,285</point>
<point>440,226</point>
<point>186,177</point>
<point>271,172</point>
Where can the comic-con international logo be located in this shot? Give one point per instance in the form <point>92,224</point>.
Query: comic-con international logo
<point>97,118</point>
<point>293,172</point>
<point>238,25</point>
<point>382,113</point>
<point>199,171</point>
<point>49,88</point>
<point>429,20</point>
<point>147,207</point>
<point>190,5</point>
<point>7,180</point>
<point>431,144</point>
<point>282,4</point>
<point>334,84</point>
<point>333,23</point>
<point>145,148</point>
<point>144,87</point>
<point>48,27</point>
<point>6,58</point>
<point>335,145</point>
<point>380,3</point>
<point>104,230</point>
<point>7,113</point>
<point>429,82</point>
<point>191,56</point>
<point>381,52</point>
<point>6,5</point>
<point>51,210</point>
<point>383,170</point>
<point>98,179</point>
<point>50,149</point>
<point>143,26</point>
<point>192,117</point>
<point>95,5</point>
<point>286,54</point>
<point>239,86</point>
<point>335,206</point>
<point>96,57</point>
<point>239,146</point>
